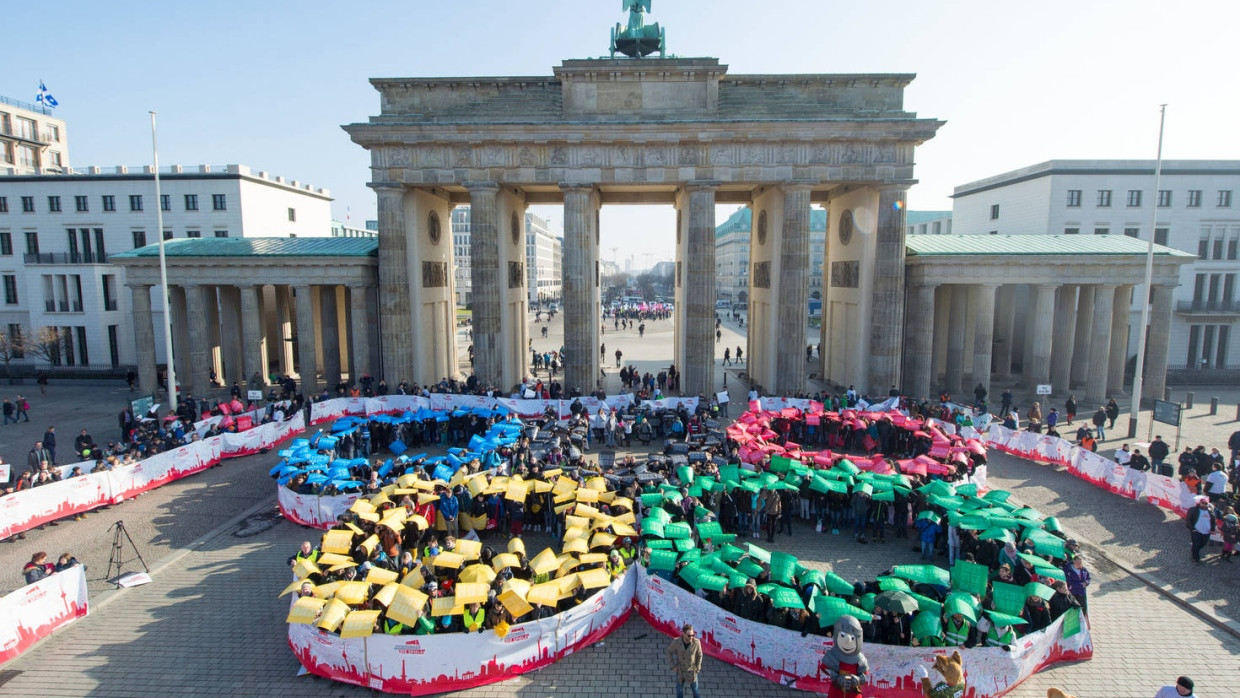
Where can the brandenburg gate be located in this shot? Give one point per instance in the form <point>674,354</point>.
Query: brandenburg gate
<point>678,131</point>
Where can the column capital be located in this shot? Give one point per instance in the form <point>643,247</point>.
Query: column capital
<point>388,187</point>
<point>1045,287</point>
<point>893,187</point>
<point>134,286</point>
<point>481,187</point>
<point>798,185</point>
<point>578,187</point>
<point>701,185</point>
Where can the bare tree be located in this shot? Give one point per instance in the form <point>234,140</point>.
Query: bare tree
<point>44,344</point>
<point>12,346</point>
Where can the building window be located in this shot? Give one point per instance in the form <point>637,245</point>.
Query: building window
<point>1074,198</point>
<point>1164,198</point>
<point>4,204</point>
<point>167,234</point>
<point>292,215</point>
<point>1194,198</point>
<point>135,202</point>
<point>10,289</point>
<point>221,233</point>
<point>193,233</point>
<point>26,129</point>
<point>109,202</point>
<point>6,244</point>
<point>81,203</point>
<point>53,204</point>
<point>55,158</point>
<point>27,156</point>
<point>109,292</point>
<point>1160,236</point>
<point>32,243</point>
<point>81,342</point>
<point>27,204</point>
<point>53,133</point>
<point>1233,243</point>
<point>219,202</point>
<point>1134,198</point>
<point>1104,198</point>
<point>1132,232</point>
<point>994,212</point>
<point>1102,231</point>
<point>165,202</point>
<point>6,153</point>
<point>191,202</point>
<point>139,239</point>
<point>114,345</point>
<point>1224,198</point>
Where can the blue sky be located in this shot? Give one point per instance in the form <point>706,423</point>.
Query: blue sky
<point>269,83</point>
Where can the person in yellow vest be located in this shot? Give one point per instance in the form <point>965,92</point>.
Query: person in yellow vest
<point>615,566</point>
<point>627,552</point>
<point>996,635</point>
<point>958,631</point>
<point>307,552</point>
<point>430,550</point>
<point>391,627</point>
<point>474,617</point>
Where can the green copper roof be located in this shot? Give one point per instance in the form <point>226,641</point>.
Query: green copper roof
<point>259,247</point>
<point>943,245</point>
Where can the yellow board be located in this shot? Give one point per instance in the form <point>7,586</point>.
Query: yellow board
<point>325,591</point>
<point>554,472</point>
<point>593,558</point>
<point>623,529</point>
<point>541,487</point>
<point>517,492</point>
<point>602,540</point>
<point>450,560</point>
<point>516,546</point>
<point>406,606</point>
<point>305,568</point>
<point>467,593</point>
<point>576,521</point>
<point>574,533</point>
<point>446,606</point>
<point>499,562</point>
<point>594,578</point>
<point>544,562</point>
<point>547,594</point>
<point>369,544</point>
<point>469,549</point>
<point>561,508</point>
<point>577,545</point>
<point>338,541</point>
<point>333,615</point>
<point>586,510</point>
<point>564,486</point>
<point>425,497</point>
<point>359,624</point>
<point>362,506</point>
<point>353,593</point>
<point>476,485</point>
<point>295,586</point>
<point>305,610</point>
<point>419,520</point>
<point>387,593</point>
<point>516,605</point>
<point>333,559</point>
<point>567,584</point>
<point>372,517</point>
<point>597,484</point>
<point>379,575</point>
<point>477,573</point>
<point>606,497</point>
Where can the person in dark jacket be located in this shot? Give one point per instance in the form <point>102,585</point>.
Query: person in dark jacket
<point>37,568</point>
<point>1158,453</point>
<point>1100,423</point>
<point>1201,523</point>
<point>1138,461</point>
<point>1112,411</point>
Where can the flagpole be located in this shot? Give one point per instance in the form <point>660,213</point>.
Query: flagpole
<point>163,275</point>
<point>1138,378</point>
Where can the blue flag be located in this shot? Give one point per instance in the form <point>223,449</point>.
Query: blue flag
<point>45,98</point>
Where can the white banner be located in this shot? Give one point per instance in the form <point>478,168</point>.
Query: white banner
<point>425,664</point>
<point>34,611</point>
<point>783,656</point>
<point>313,510</point>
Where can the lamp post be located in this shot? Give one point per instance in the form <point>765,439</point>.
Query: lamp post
<point>1138,378</point>
<point>163,274</point>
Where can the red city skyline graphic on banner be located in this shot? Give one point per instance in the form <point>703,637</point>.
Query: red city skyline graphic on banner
<point>38,609</point>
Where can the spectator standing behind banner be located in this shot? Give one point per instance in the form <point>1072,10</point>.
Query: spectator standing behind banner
<point>684,655</point>
<point>1158,453</point>
<point>1201,524</point>
<point>37,568</point>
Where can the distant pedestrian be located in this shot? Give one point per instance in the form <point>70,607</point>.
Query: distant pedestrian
<point>684,656</point>
<point>619,355</point>
<point>727,356</point>
<point>1100,423</point>
<point>1069,408</point>
<point>1201,523</point>
<point>23,408</point>
<point>740,358</point>
<point>1183,688</point>
<point>1112,410</point>
<point>49,442</point>
<point>718,336</point>
<point>1078,579</point>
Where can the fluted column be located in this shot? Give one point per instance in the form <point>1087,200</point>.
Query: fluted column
<point>1119,340</point>
<point>144,337</point>
<point>699,292</point>
<point>487,284</point>
<point>953,375</point>
<point>1065,334</point>
<point>1005,318</point>
<point>330,327</point>
<point>359,333</point>
<point>253,339</point>
<point>793,290</point>
<point>231,347</point>
<point>581,330</point>
<point>178,304</point>
<point>919,346</point>
<point>887,290</point>
<point>307,359</point>
<point>1100,345</point>
<point>1084,326</point>
<point>395,309</point>
<point>1039,370</point>
<point>1159,344</point>
<point>983,332</point>
<point>196,300</point>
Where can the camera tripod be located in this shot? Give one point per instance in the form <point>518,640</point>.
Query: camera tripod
<point>117,561</point>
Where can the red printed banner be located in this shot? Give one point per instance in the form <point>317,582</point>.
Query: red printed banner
<point>424,664</point>
<point>35,611</point>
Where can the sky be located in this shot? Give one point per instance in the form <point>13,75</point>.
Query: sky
<point>268,84</point>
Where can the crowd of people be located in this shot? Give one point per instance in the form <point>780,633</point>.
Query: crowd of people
<point>39,568</point>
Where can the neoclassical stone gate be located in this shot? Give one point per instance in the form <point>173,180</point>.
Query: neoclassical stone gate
<point>678,131</point>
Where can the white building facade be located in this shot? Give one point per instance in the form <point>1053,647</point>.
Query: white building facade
<point>732,239</point>
<point>57,230</point>
<point>31,141</point>
<point>1197,212</point>
<point>544,257</point>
